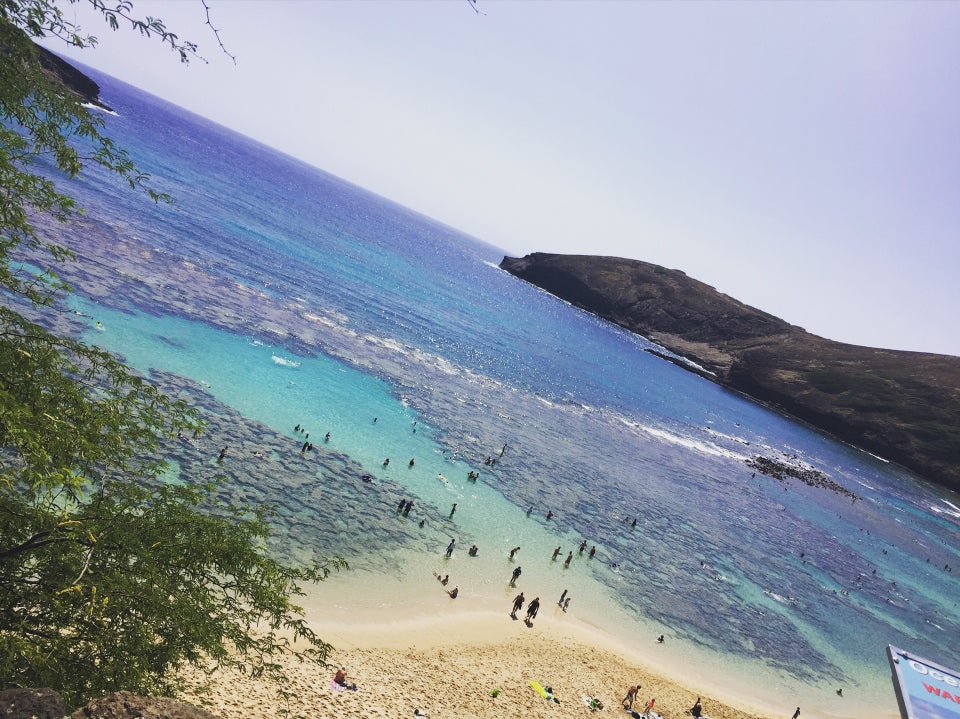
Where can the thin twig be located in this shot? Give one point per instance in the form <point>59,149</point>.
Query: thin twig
<point>216,33</point>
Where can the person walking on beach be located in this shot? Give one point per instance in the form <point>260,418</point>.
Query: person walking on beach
<point>514,551</point>
<point>515,577</point>
<point>566,603</point>
<point>453,510</point>
<point>556,552</point>
<point>560,603</point>
<point>453,543</point>
<point>517,605</point>
<point>627,701</point>
<point>532,609</point>
<point>650,707</point>
<point>796,713</point>
<point>568,560</point>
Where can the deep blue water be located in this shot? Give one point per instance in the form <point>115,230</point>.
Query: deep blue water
<point>422,326</point>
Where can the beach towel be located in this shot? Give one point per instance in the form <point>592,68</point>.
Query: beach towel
<point>592,702</point>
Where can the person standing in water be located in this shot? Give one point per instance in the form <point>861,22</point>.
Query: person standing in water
<point>517,605</point>
<point>532,609</point>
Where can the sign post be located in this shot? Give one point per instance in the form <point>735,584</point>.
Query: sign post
<point>925,690</point>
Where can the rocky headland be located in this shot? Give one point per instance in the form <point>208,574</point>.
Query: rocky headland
<point>70,77</point>
<point>902,406</point>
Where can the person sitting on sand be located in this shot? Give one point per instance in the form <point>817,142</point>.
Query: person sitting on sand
<point>340,678</point>
<point>696,709</point>
<point>454,592</point>
<point>627,701</point>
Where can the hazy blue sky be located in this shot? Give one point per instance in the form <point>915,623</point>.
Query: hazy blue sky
<point>803,158</point>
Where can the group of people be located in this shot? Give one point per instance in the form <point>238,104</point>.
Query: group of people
<point>532,608</point>
<point>455,592</point>
<point>631,696</point>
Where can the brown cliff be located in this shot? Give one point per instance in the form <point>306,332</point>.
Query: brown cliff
<point>70,77</point>
<point>903,406</point>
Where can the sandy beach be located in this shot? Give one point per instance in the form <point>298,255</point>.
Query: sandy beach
<point>408,646</point>
<point>451,668</point>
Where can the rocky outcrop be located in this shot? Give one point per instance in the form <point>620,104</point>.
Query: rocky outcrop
<point>48,704</point>
<point>70,77</point>
<point>124,705</point>
<point>903,406</point>
<point>31,704</point>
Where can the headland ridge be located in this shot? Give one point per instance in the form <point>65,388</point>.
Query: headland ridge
<point>901,406</point>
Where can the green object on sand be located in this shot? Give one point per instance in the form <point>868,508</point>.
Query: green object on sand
<point>495,693</point>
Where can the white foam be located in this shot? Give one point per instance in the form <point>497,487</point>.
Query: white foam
<point>284,361</point>
<point>91,106</point>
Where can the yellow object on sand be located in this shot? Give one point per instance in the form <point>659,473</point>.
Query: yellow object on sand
<point>537,687</point>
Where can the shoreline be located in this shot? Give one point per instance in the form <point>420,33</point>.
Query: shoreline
<point>383,628</point>
<point>448,664</point>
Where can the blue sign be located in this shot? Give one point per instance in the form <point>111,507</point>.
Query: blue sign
<point>925,690</point>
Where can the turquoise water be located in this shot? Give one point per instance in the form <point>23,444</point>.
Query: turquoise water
<point>376,312</point>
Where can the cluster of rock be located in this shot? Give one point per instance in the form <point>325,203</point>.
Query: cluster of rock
<point>808,475</point>
<point>48,704</point>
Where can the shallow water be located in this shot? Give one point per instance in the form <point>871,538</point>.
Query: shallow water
<point>375,312</point>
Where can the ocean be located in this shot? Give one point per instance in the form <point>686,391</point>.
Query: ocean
<point>274,295</point>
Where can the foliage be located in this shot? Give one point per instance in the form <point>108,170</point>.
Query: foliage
<point>109,578</point>
<point>118,588</point>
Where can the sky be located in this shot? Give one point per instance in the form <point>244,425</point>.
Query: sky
<point>803,158</point>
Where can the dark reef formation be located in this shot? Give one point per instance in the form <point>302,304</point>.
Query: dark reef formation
<point>903,406</point>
